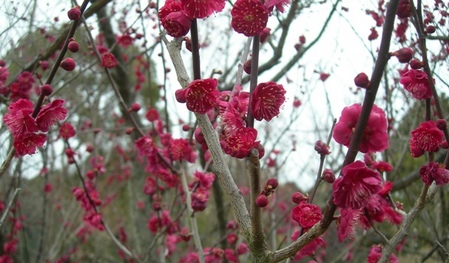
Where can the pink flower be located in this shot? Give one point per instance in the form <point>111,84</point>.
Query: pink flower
<point>267,100</point>
<point>249,17</point>
<point>19,119</point>
<point>240,142</point>
<point>108,60</point>
<point>201,95</point>
<point>279,4</point>
<point>356,185</point>
<point>434,171</point>
<point>346,223</point>
<point>28,142</point>
<point>201,8</point>
<point>306,214</point>
<point>426,138</point>
<point>181,150</point>
<point>177,24</point>
<point>416,82</point>
<point>50,114</point>
<point>376,252</point>
<point>66,131</point>
<point>375,136</point>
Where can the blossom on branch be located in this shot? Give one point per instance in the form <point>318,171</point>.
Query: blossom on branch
<point>249,17</point>
<point>200,96</point>
<point>426,138</point>
<point>417,84</point>
<point>434,172</point>
<point>375,136</point>
<point>267,100</point>
<point>306,214</point>
<point>356,185</point>
<point>201,8</point>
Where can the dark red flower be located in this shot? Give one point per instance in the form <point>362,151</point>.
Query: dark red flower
<point>434,171</point>
<point>279,4</point>
<point>239,143</point>
<point>201,8</point>
<point>177,24</point>
<point>356,185</point>
<point>50,114</point>
<point>375,136</point>
<point>28,142</point>
<point>18,118</point>
<point>108,60</point>
<point>66,131</point>
<point>306,214</point>
<point>426,138</point>
<point>404,9</point>
<point>346,223</point>
<point>201,95</point>
<point>416,82</point>
<point>267,100</point>
<point>181,150</point>
<point>249,17</point>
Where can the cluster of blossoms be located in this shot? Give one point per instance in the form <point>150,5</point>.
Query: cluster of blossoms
<point>249,17</point>
<point>202,96</point>
<point>200,188</point>
<point>29,132</point>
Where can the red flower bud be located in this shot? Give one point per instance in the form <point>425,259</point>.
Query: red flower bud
<point>247,67</point>
<point>46,89</point>
<point>74,13</point>
<point>322,148</point>
<point>404,55</point>
<point>73,46</point>
<point>416,64</point>
<point>328,176</point>
<point>135,107</point>
<point>441,124</point>
<point>68,64</point>
<point>262,200</point>
<point>430,29</point>
<point>272,183</point>
<point>298,197</point>
<point>264,34</point>
<point>361,80</point>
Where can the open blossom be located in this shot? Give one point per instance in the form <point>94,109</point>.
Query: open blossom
<point>202,8</point>
<point>346,223</point>
<point>50,114</point>
<point>177,24</point>
<point>267,100</point>
<point>434,172</point>
<point>249,17</point>
<point>28,131</point>
<point>306,214</point>
<point>375,136</point>
<point>416,82</point>
<point>356,185</point>
<point>200,96</point>
<point>239,143</point>
<point>426,138</point>
<point>19,119</point>
<point>279,4</point>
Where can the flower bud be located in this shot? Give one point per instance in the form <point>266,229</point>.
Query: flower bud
<point>416,64</point>
<point>68,64</point>
<point>298,197</point>
<point>322,148</point>
<point>135,107</point>
<point>73,46</point>
<point>430,29</point>
<point>74,13</point>
<point>361,80</point>
<point>247,67</point>
<point>262,200</point>
<point>264,34</point>
<point>46,89</point>
<point>441,124</point>
<point>328,176</point>
<point>404,55</point>
<point>272,183</point>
